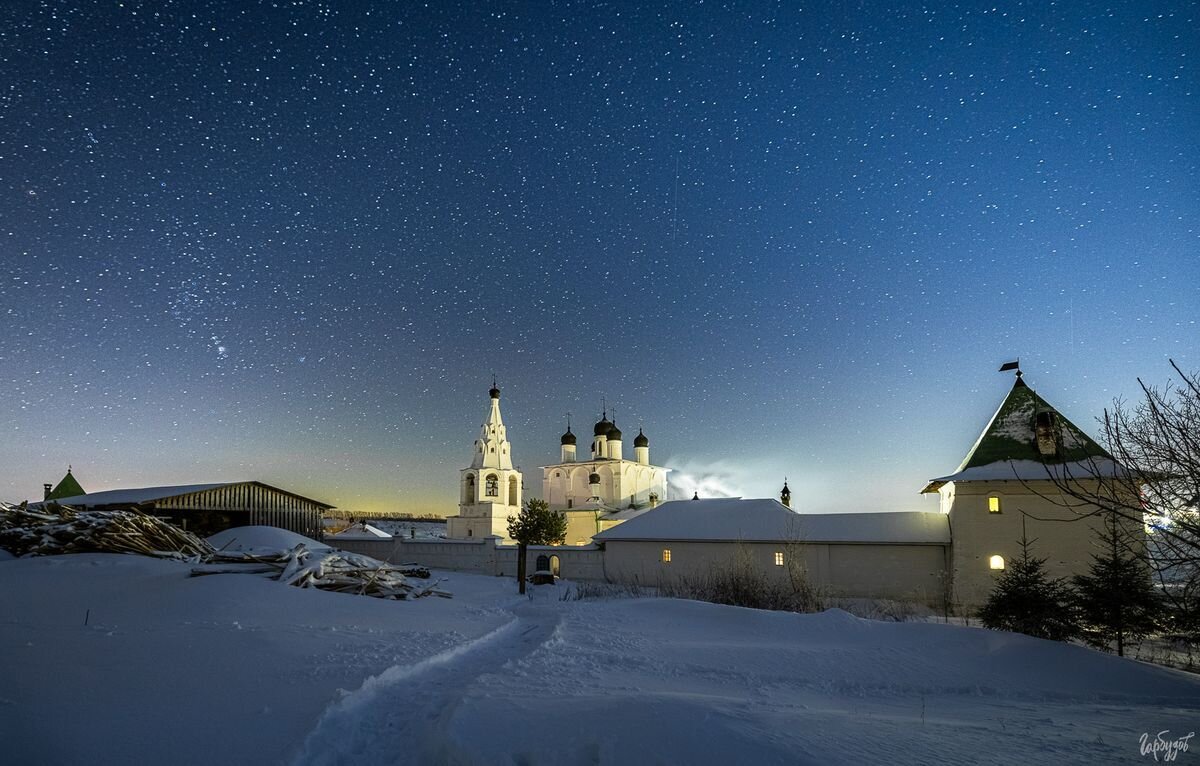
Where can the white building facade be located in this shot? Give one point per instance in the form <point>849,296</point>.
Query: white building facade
<point>490,488</point>
<point>606,481</point>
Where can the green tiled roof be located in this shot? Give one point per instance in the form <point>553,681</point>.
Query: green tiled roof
<point>68,487</point>
<point>1012,433</point>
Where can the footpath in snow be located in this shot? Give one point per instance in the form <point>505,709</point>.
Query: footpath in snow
<point>404,715</point>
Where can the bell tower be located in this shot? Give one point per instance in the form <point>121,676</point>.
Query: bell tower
<point>490,489</point>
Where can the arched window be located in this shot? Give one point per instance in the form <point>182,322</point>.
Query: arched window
<point>554,565</point>
<point>469,489</point>
<point>993,504</point>
<point>512,491</point>
<point>491,485</point>
<point>542,565</point>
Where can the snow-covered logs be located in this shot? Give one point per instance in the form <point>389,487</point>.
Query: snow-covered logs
<point>55,529</point>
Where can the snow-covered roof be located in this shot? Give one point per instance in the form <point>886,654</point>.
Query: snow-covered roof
<point>137,496</point>
<point>627,514</point>
<point>768,520</point>
<point>151,494</point>
<point>362,531</point>
<point>1008,447</point>
<point>1034,470</point>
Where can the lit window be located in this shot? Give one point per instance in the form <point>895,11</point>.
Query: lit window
<point>666,555</point>
<point>778,558</point>
<point>996,562</point>
<point>993,504</point>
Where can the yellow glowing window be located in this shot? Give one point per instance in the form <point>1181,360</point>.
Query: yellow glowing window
<point>996,562</point>
<point>778,558</point>
<point>994,504</point>
<point>666,555</point>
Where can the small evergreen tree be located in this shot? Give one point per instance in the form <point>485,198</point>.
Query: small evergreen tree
<point>536,524</point>
<point>1026,600</point>
<point>1116,599</point>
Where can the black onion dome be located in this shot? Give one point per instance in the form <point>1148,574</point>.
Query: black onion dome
<point>614,433</point>
<point>603,427</point>
<point>568,437</point>
<point>494,392</point>
<point>640,440</point>
<point>593,478</point>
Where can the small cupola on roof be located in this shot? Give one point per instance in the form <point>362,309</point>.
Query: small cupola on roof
<point>614,443</point>
<point>603,426</point>
<point>785,495</point>
<point>640,440</point>
<point>568,444</point>
<point>600,437</point>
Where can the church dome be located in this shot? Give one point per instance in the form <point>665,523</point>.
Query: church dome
<point>614,434</point>
<point>593,478</point>
<point>603,427</point>
<point>640,440</point>
<point>494,392</point>
<point>568,437</point>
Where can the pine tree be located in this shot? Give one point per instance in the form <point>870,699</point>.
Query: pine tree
<point>1026,600</point>
<point>536,524</point>
<point>1117,601</point>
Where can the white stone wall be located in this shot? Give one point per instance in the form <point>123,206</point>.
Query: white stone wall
<point>901,572</point>
<point>1063,537</point>
<point>486,556</point>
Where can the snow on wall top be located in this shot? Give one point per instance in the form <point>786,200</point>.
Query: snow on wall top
<point>768,520</point>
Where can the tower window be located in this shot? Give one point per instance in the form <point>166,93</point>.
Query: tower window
<point>492,485</point>
<point>778,558</point>
<point>666,556</point>
<point>993,504</point>
<point>996,562</point>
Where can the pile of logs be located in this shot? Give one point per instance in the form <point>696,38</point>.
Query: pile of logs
<point>55,529</point>
<point>326,569</point>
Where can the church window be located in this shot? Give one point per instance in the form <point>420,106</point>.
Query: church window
<point>469,490</point>
<point>666,557</point>
<point>778,558</point>
<point>512,491</point>
<point>996,562</point>
<point>492,485</point>
<point>570,502</point>
<point>993,504</point>
<point>469,533</point>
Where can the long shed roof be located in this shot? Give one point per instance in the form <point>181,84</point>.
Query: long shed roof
<point>768,520</point>
<point>143,495</point>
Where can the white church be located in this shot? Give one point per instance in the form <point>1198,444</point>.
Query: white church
<point>594,494</point>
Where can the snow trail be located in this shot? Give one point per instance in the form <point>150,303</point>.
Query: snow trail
<point>402,716</point>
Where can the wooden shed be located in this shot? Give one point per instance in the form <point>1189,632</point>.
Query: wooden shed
<point>208,508</point>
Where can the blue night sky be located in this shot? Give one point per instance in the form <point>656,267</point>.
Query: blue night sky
<point>292,242</point>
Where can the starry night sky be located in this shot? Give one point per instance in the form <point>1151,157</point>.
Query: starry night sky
<point>292,241</point>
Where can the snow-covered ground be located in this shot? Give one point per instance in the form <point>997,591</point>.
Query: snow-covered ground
<point>237,669</point>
